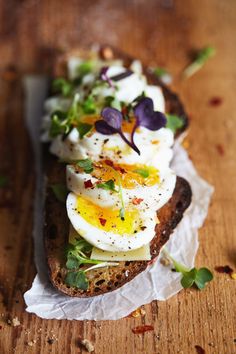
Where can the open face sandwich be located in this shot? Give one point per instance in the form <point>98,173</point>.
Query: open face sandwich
<point>112,200</point>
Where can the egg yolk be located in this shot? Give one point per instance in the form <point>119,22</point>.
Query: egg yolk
<point>107,219</point>
<point>129,175</point>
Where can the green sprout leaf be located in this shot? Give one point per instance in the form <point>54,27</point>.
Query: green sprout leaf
<point>111,101</point>
<point>89,106</point>
<point>77,280</point>
<point>60,191</point>
<point>174,122</point>
<point>77,255</point>
<point>202,277</point>
<point>190,277</point>
<point>3,181</point>
<point>85,68</point>
<point>203,56</point>
<point>86,165</point>
<point>108,185</point>
<point>83,129</point>
<point>160,72</point>
<point>65,87</point>
<point>59,124</point>
<point>142,172</point>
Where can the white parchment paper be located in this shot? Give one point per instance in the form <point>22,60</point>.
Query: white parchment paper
<point>156,283</point>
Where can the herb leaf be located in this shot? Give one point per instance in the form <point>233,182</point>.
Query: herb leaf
<point>202,277</point>
<point>142,172</point>
<point>59,124</point>
<point>77,280</point>
<point>3,181</point>
<point>85,68</point>
<point>159,71</point>
<point>60,191</point>
<point>108,185</point>
<point>163,75</point>
<point>202,57</point>
<point>190,277</point>
<point>89,106</point>
<point>174,122</point>
<point>86,165</point>
<point>83,129</point>
<point>63,86</point>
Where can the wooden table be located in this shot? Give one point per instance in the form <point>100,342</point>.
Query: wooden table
<point>159,32</point>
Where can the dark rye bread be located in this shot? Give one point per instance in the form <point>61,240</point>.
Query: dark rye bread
<point>56,228</point>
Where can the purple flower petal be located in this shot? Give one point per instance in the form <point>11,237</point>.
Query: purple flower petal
<point>112,117</point>
<point>143,109</point>
<point>102,127</point>
<point>147,117</point>
<point>105,77</point>
<point>156,121</point>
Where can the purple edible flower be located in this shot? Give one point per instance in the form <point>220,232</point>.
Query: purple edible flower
<point>105,77</point>
<point>111,124</point>
<point>147,117</point>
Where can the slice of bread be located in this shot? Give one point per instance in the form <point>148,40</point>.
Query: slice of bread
<point>56,228</point>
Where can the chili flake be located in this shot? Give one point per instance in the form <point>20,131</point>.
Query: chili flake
<point>142,329</point>
<point>88,184</point>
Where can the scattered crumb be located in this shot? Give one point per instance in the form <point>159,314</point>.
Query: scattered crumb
<point>138,312</point>
<point>186,143</point>
<point>14,322</point>
<point>165,261</point>
<point>233,276</point>
<point>142,311</point>
<point>31,343</point>
<point>88,345</point>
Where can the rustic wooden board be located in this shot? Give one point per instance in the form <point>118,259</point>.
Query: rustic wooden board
<point>160,32</point>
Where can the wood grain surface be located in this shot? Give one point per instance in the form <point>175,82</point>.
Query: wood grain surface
<point>163,32</point>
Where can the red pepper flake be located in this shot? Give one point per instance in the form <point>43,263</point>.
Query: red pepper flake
<point>102,221</point>
<point>109,163</point>
<point>88,184</point>
<point>220,149</point>
<point>224,269</point>
<point>142,329</point>
<point>199,349</point>
<point>137,201</point>
<point>215,101</point>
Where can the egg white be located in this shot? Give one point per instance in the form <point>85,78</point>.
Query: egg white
<point>153,199</point>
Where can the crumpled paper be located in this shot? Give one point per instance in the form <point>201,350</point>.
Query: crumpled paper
<point>157,282</point>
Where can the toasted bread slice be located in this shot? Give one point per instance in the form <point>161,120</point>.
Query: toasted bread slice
<point>56,229</point>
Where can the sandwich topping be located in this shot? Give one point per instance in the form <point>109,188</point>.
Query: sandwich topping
<point>110,128</point>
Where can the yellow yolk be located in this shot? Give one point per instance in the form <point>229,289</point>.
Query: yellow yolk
<point>127,174</point>
<point>106,218</point>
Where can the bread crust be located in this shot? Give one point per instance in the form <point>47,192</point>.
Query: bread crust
<point>56,228</point>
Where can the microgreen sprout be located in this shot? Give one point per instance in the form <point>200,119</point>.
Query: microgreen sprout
<point>76,257</point>
<point>104,77</point>
<point>174,122</point>
<point>193,276</point>
<point>108,185</point>
<point>163,75</point>
<point>111,124</point>
<point>86,165</point>
<point>201,58</point>
<point>147,117</point>
<point>60,191</point>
